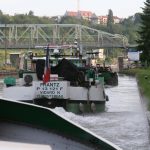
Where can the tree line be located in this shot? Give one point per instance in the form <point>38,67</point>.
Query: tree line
<point>28,18</point>
<point>144,32</point>
<point>136,28</point>
<point>127,27</point>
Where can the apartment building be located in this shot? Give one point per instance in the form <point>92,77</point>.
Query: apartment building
<point>87,15</point>
<point>90,16</point>
<point>102,20</point>
<point>71,13</point>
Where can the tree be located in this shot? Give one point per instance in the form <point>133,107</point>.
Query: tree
<point>31,13</point>
<point>144,40</point>
<point>137,18</point>
<point>110,21</point>
<point>1,13</point>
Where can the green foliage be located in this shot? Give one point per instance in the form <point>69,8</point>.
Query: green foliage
<point>73,20</point>
<point>29,18</point>
<point>130,27</point>
<point>108,60</point>
<point>127,27</point>
<point>4,19</point>
<point>110,21</point>
<point>31,13</point>
<point>144,32</point>
<point>100,27</point>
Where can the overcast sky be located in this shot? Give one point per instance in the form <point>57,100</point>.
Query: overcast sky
<point>120,8</point>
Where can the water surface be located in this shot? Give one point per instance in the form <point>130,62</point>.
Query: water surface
<point>124,122</point>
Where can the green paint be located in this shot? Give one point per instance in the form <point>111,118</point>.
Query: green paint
<point>46,119</point>
<point>75,108</point>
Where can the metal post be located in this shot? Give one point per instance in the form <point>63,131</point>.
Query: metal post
<point>5,46</point>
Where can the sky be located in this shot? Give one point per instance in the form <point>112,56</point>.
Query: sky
<point>120,8</point>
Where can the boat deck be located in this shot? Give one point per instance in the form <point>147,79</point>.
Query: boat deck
<point>18,136</point>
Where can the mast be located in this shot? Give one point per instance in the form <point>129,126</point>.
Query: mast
<point>78,5</point>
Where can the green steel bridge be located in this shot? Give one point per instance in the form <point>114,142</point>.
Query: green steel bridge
<point>30,35</point>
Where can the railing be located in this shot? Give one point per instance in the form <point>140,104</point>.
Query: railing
<point>31,35</point>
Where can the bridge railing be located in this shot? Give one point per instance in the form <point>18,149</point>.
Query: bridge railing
<point>30,35</point>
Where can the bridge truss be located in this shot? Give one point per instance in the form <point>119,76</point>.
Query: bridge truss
<point>31,35</point>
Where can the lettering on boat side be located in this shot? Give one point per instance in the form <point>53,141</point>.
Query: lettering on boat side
<point>51,90</point>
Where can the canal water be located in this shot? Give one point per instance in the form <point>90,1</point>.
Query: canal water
<point>124,121</point>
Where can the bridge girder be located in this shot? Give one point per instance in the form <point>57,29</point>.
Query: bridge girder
<point>31,35</point>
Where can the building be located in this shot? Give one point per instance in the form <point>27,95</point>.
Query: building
<point>102,20</point>
<point>90,16</point>
<point>86,15</point>
<point>117,20</point>
<point>98,54</point>
<point>71,13</point>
